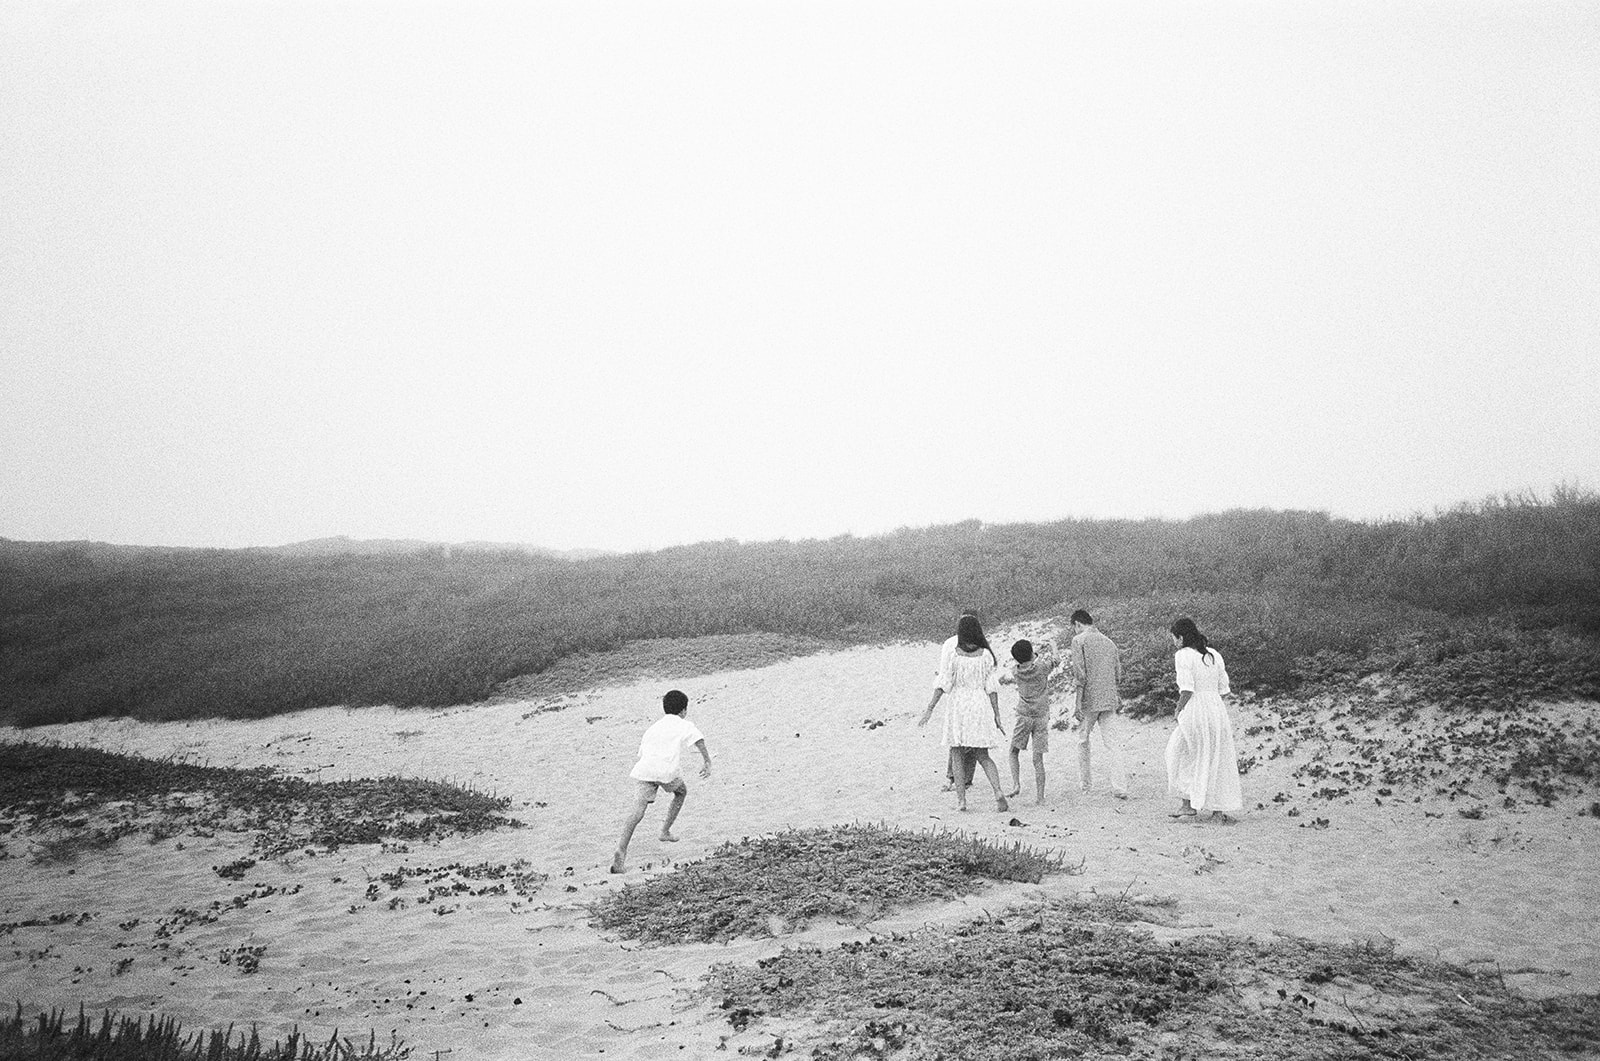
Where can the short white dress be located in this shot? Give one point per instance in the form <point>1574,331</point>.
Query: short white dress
<point>967,682</point>
<point>1202,765</point>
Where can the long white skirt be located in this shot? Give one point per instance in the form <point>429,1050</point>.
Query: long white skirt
<point>1202,765</point>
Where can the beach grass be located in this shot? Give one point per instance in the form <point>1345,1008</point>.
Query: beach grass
<point>75,799</point>
<point>1069,978</point>
<point>769,885</point>
<point>159,634</point>
<point>115,1037</point>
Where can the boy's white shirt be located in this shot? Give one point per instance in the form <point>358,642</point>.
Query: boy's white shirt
<point>662,746</point>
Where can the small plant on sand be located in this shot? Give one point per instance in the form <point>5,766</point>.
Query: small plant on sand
<point>767,885</point>
<point>457,880</point>
<point>51,1037</point>
<point>1071,979</point>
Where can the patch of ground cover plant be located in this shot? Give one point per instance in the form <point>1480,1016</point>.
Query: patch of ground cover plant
<point>115,1037</point>
<point>759,887</point>
<point>455,881</point>
<point>86,798</point>
<point>1079,979</point>
<point>1449,716</point>
<point>1384,697</point>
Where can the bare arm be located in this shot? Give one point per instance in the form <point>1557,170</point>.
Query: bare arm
<point>923,721</point>
<point>1183,698</point>
<point>705,769</point>
<point>994,702</point>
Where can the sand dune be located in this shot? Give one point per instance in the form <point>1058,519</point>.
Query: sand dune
<point>501,975</point>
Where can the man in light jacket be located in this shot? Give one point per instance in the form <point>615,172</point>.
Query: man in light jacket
<point>1096,666</point>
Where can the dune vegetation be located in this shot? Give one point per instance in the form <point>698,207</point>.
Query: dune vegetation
<point>776,884</point>
<point>63,801</point>
<point>1068,978</point>
<point>1508,587</point>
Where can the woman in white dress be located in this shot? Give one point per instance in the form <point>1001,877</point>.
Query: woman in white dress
<point>1202,766</point>
<point>970,675</point>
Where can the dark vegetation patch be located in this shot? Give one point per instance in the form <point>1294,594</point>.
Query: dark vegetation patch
<point>167,633</point>
<point>77,798</point>
<point>52,1037</point>
<point>1069,979</point>
<point>763,886</point>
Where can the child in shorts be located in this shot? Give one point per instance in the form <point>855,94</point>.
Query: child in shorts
<point>1030,673</point>
<point>660,766</point>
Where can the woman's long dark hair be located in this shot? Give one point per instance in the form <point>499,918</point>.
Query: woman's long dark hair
<point>969,636</point>
<point>1185,631</point>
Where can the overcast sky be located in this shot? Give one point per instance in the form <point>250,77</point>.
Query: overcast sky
<point>624,275</point>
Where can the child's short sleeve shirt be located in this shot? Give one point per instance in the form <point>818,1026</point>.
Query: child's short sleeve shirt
<point>661,749</point>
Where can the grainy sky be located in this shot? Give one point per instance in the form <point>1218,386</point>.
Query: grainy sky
<point>624,275</point>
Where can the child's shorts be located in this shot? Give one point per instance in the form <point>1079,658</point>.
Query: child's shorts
<point>647,789</point>
<point>1035,727</point>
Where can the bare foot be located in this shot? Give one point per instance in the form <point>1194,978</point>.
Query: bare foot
<point>949,786</point>
<point>668,838</point>
<point>1001,804</point>
<point>962,807</point>
<point>1039,802</point>
<point>618,863</point>
<point>1014,793</point>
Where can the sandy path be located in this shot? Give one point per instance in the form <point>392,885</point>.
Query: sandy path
<point>489,976</point>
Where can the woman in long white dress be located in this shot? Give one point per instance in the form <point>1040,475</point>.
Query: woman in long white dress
<point>970,675</point>
<point>1202,766</point>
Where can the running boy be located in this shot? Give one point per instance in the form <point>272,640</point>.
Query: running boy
<point>661,766</point>
<point>1030,674</point>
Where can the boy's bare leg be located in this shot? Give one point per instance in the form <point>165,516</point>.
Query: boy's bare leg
<point>1016,770</point>
<point>672,812</point>
<point>620,859</point>
<point>1038,776</point>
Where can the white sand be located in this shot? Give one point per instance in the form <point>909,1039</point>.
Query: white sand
<point>1520,888</point>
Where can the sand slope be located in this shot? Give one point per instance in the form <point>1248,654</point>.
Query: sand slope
<point>501,976</point>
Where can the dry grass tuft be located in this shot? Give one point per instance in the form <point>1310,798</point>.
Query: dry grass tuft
<point>120,1038</point>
